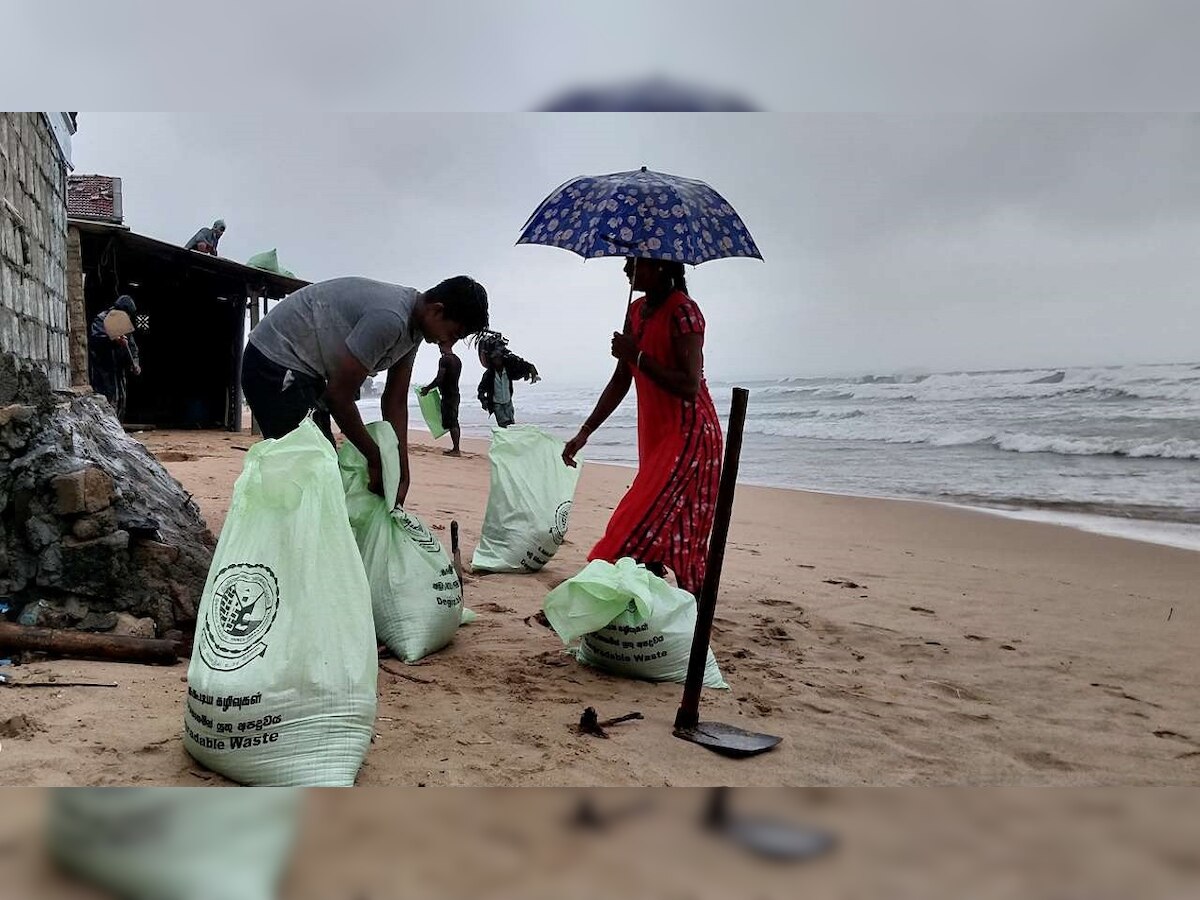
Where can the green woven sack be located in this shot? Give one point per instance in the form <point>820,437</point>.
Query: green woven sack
<point>629,621</point>
<point>281,685</point>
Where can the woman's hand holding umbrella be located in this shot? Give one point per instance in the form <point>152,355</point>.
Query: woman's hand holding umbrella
<point>624,347</point>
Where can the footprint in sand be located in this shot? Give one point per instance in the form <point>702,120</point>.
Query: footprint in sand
<point>955,691</point>
<point>760,706</point>
<point>491,607</point>
<point>174,456</point>
<point>1043,759</point>
<point>20,728</point>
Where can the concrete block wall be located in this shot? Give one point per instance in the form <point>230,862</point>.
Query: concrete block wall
<point>33,245</point>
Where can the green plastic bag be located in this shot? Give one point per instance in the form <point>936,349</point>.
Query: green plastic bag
<point>281,685</point>
<point>630,622</point>
<point>175,843</point>
<point>431,409</point>
<point>529,501</point>
<point>268,260</point>
<point>416,596</point>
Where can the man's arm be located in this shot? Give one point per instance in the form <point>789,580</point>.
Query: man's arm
<point>439,380</point>
<point>339,397</point>
<point>135,358</point>
<point>485,391</point>
<point>520,369</point>
<point>394,406</point>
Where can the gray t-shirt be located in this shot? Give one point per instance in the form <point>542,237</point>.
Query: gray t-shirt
<point>308,329</point>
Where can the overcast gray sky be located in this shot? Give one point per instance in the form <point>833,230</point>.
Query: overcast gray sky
<point>892,242</point>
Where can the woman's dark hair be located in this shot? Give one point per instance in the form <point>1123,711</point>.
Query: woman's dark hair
<point>674,271</point>
<point>463,300</point>
<point>669,267</point>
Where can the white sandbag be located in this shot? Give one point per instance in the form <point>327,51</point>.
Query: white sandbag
<point>281,685</point>
<point>529,501</point>
<point>416,595</point>
<point>174,843</point>
<point>629,621</point>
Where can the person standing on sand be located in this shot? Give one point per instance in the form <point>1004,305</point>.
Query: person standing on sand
<point>665,518</point>
<point>448,373</point>
<point>503,368</point>
<point>316,347</point>
<point>109,358</point>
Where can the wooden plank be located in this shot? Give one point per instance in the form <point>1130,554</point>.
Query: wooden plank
<point>85,645</point>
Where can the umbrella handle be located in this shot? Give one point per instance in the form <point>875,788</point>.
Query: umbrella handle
<point>628,329</point>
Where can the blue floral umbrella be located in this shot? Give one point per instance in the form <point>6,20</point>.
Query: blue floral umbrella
<point>643,214</point>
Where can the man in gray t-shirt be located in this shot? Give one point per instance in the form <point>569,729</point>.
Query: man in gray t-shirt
<point>315,349</point>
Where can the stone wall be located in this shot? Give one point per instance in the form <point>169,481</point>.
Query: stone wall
<point>33,239</point>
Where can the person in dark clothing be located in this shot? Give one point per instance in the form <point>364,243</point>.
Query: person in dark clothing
<point>503,369</point>
<point>448,374</point>
<point>206,239</point>
<point>109,358</point>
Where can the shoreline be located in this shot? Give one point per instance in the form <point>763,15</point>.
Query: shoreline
<point>1161,532</point>
<point>1178,528</point>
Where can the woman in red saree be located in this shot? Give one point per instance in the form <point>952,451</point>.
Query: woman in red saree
<point>664,520</point>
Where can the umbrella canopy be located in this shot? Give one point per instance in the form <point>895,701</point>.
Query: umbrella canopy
<point>647,95</point>
<point>646,214</point>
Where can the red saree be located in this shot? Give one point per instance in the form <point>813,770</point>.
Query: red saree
<point>667,514</point>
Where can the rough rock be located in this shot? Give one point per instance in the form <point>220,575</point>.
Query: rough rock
<point>91,524</point>
<point>103,621</point>
<point>17,413</point>
<point>88,528</point>
<point>130,626</point>
<point>84,491</point>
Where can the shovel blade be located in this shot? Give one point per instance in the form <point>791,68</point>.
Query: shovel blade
<point>779,840</point>
<point>727,739</point>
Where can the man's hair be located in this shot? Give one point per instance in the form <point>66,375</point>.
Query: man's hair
<point>463,300</point>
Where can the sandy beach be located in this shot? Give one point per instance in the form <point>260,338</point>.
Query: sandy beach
<point>889,642</point>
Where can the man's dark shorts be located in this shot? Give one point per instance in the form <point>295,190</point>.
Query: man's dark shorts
<point>281,399</point>
<point>450,404</point>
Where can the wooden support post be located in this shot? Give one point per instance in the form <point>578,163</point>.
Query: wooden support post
<point>254,320</point>
<point>76,312</point>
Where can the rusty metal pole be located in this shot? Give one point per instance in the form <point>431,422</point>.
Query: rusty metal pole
<point>689,707</point>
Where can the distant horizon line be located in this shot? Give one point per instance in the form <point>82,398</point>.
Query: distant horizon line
<point>905,372</point>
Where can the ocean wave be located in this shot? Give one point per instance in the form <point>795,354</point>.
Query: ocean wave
<point>1075,446</point>
<point>1011,441</point>
<point>937,392</point>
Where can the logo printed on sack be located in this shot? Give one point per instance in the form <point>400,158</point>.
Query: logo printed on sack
<point>244,603</point>
<point>421,536</point>
<point>559,531</point>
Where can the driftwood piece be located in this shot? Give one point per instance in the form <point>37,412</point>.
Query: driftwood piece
<point>84,645</point>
